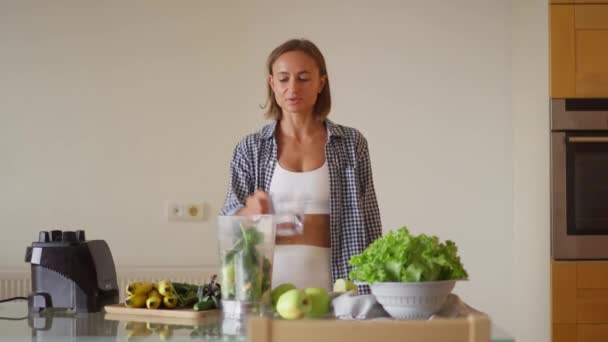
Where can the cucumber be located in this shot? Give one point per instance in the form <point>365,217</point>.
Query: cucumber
<point>204,305</point>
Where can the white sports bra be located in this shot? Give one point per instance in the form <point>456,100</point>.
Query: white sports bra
<point>300,192</point>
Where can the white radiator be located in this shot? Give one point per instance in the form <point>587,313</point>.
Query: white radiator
<point>18,284</point>
<point>14,284</point>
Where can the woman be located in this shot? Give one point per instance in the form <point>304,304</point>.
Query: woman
<point>305,163</point>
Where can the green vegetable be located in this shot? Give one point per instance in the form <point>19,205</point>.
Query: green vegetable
<point>186,294</point>
<point>401,257</point>
<point>190,294</point>
<point>228,277</point>
<point>208,296</point>
<point>266,272</point>
<point>204,305</point>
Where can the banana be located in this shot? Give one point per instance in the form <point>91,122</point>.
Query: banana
<point>131,325</point>
<point>154,326</point>
<point>154,300</point>
<point>165,333</point>
<point>136,301</point>
<point>165,288</point>
<point>136,329</point>
<point>170,301</point>
<point>139,287</point>
<point>140,332</point>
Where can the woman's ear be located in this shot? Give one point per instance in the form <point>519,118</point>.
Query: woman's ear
<point>270,83</point>
<point>322,83</point>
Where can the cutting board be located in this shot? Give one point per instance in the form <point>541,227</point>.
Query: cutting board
<point>123,311</point>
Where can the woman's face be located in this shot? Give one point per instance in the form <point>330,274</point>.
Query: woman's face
<point>296,82</point>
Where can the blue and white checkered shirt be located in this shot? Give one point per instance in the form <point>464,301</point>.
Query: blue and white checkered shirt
<point>353,208</point>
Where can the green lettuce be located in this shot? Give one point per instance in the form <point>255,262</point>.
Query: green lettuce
<point>402,257</point>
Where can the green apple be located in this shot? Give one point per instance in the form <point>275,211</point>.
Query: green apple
<point>294,304</point>
<point>278,291</point>
<point>345,285</point>
<point>319,299</point>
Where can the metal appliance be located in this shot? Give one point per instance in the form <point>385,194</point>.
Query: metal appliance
<point>579,179</point>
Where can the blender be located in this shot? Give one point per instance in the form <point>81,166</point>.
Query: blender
<point>246,247</point>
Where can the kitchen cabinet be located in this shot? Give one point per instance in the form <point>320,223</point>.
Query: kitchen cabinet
<point>564,332</point>
<point>579,301</point>
<point>592,275</point>
<point>579,50</point>
<point>578,1</point>
<point>593,333</point>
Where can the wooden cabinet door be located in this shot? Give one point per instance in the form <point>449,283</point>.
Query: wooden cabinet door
<point>592,333</point>
<point>592,293</point>
<point>592,275</point>
<point>592,306</point>
<point>564,333</point>
<point>579,50</point>
<point>579,304</point>
<point>591,37</point>
<point>563,292</point>
<point>561,45</point>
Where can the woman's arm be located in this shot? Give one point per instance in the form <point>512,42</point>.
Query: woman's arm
<point>367,194</point>
<point>240,184</point>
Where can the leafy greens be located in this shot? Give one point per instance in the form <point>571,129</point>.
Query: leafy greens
<point>402,257</point>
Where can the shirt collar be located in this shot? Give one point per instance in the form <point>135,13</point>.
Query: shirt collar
<point>333,130</point>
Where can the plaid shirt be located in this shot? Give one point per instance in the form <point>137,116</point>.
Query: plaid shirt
<point>353,208</point>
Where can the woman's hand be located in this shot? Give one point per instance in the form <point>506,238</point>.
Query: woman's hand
<point>257,204</point>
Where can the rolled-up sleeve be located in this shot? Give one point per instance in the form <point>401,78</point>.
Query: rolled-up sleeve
<point>240,181</point>
<point>367,194</point>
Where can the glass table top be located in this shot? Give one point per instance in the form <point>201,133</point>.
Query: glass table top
<point>17,325</point>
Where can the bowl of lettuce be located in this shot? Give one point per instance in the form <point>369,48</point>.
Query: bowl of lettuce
<point>410,275</point>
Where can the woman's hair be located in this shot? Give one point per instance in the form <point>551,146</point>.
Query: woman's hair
<point>323,104</point>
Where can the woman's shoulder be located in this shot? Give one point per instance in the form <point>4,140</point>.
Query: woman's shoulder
<point>351,134</point>
<point>253,140</point>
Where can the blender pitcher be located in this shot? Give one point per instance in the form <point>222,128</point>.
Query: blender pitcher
<point>246,246</point>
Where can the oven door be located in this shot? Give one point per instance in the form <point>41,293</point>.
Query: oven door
<point>579,207</point>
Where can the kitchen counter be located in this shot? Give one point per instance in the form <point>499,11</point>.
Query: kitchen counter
<point>16,325</point>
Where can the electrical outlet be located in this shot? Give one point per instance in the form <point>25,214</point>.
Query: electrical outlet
<point>181,211</point>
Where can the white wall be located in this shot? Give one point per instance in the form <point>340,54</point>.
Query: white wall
<point>107,109</point>
<point>530,109</point>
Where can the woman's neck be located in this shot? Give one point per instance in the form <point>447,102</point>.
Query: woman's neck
<point>300,127</point>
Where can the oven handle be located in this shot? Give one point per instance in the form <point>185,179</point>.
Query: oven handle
<point>588,139</point>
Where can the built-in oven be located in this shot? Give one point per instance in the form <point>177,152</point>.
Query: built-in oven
<point>579,179</point>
